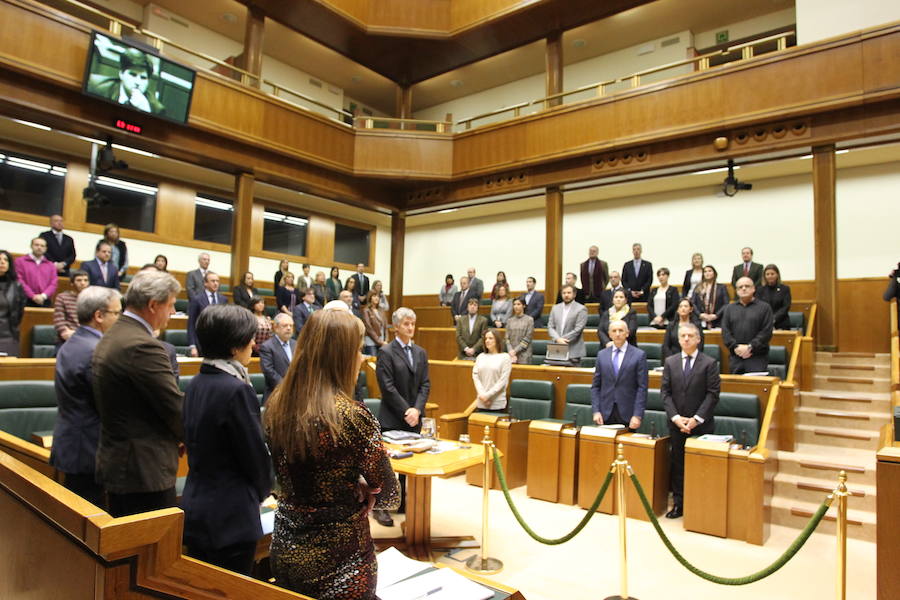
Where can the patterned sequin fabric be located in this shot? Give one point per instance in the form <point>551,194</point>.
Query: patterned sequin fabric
<point>321,545</point>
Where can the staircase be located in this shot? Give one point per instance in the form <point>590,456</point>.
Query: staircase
<point>837,429</point>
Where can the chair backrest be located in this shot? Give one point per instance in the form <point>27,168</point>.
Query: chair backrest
<point>538,351</point>
<point>224,288</point>
<point>778,361</point>
<point>258,381</point>
<point>797,320</point>
<point>643,320</point>
<point>264,292</point>
<point>653,351</point>
<point>578,404</point>
<point>22,422</point>
<point>593,320</point>
<point>588,362</point>
<point>530,399</point>
<point>43,341</point>
<point>374,405</point>
<point>183,381</point>
<point>181,305</point>
<point>27,406</point>
<point>655,420</point>
<point>713,351</point>
<point>738,415</point>
<point>591,349</point>
<point>361,382</point>
<point>271,311</point>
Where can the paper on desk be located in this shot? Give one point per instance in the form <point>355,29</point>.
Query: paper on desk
<point>440,584</point>
<point>711,437</point>
<point>393,566</point>
<point>267,519</point>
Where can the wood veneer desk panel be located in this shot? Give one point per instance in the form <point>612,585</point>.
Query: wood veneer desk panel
<point>511,439</point>
<point>544,459</point>
<point>706,487</point>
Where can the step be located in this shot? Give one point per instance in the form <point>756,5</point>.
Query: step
<point>852,370</point>
<point>824,463</point>
<point>815,490</point>
<point>856,358</point>
<point>852,419</point>
<point>852,384</point>
<point>795,513</point>
<point>837,437</point>
<point>873,402</point>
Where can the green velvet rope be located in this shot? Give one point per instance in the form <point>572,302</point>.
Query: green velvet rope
<point>780,562</point>
<point>501,477</point>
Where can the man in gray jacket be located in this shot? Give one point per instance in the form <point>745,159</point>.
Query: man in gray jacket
<point>196,277</point>
<point>567,322</point>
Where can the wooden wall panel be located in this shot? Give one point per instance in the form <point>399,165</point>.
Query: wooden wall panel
<point>466,13</point>
<point>320,240</point>
<point>403,14</point>
<point>175,212</point>
<point>882,69</point>
<point>406,155</point>
<point>864,317</point>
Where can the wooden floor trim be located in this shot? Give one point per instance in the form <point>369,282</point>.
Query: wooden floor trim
<point>802,512</point>
<point>854,354</point>
<point>850,436</point>
<point>841,415</point>
<point>818,487</point>
<point>836,399</point>
<point>852,380</point>
<point>833,467</point>
<point>851,367</point>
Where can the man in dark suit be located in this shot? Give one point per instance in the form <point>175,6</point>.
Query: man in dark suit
<point>637,275</point>
<point>469,331</point>
<point>580,297</point>
<point>60,247</point>
<point>402,373</point>
<point>594,275</point>
<point>100,270</point>
<point>362,281</point>
<point>747,330</point>
<point>619,389</point>
<point>305,309</point>
<point>476,286</point>
<point>747,268</point>
<point>461,299</point>
<point>208,297</point>
<point>194,279</point>
<point>137,456</point>
<point>534,302</point>
<point>276,353</point>
<point>77,429</point>
<point>615,284</point>
<point>689,391</point>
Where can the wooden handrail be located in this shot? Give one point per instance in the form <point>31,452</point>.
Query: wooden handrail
<point>790,376</point>
<point>767,417</point>
<point>367,122</point>
<point>340,112</point>
<point>499,111</point>
<point>810,323</point>
<point>895,350</point>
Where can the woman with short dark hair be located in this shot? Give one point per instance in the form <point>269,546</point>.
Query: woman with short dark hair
<point>777,295</point>
<point>684,313</point>
<point>662,301</point>
<point>334,284</point>
<point>448,290</point>
<point>12,305</point>
<point>230,468</point>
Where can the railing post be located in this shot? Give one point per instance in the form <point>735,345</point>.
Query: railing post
<point>115,27</point>
<point>621,466</point>
<point>782,43</point>
<point>635,81</point>
<point>747,52</point>
<point>704,63</point>
<point>481,563</point>
<point>841,494</point>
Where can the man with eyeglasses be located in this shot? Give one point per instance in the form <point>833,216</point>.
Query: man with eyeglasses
<point>747,329</point>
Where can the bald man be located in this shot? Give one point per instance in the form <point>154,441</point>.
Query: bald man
<point>747,329</point>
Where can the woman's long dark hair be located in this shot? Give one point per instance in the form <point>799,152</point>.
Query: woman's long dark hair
<point>11,273</point>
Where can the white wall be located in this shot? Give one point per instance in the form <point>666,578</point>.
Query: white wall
<point>742,29</point>
<point>821,19</point>
<point>530,88</point>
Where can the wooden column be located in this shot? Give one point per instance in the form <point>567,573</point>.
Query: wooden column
<point>403,102</point>
<point>554,59</point>
<point>826,247</point>
<point>251,59</point>
<point>398,242</point>
<point>553,252</point>
<point>241,226</point>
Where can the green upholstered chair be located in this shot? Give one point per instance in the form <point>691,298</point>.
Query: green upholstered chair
<point>126,278</point>
<point>361,382</point>
<point>258,381</point>
<point>181,305</point>
<point>713,351</point>
<point>486,302</point>
<point>578,404</point>
<point>643,320</point>
<point>593,321</point>
<point>43,341</point>
<point>178,338</point>
<point>592,349</point>
<point>183,381</point>
<point>264,292</point>
<point>27,406</point>
<point>374,405</point>
<point>224,287</point>
<point>655,420</point>
<point>588,362</point>
<point>654,353</point>
<point>739,416</point>
<point>271,311</point>
<point>530,399</point>
<point>538,351</point>
<point>778,361</point>
<point>797,321</point>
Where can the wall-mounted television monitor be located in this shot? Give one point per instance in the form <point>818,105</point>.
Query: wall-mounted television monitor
<point>138,79</point>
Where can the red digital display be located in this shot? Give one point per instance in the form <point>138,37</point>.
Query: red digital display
<point>130,127</point>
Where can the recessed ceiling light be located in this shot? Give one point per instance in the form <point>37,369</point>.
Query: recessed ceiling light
<point>579,43</point>
<point>456,83</point>
<point>229,18</point>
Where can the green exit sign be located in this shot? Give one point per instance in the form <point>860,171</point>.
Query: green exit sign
<point>721,37</point>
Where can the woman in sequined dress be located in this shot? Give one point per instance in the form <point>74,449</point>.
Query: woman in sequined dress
<point>330,464</point>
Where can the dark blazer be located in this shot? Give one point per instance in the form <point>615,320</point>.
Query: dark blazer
<point>15,302</point>
<point>470,339</point>
<point>686,284</point>
<point>628,391</point>
<point>283,297</point>
<point>196,306</point>
<point>779,298</point>
<point>230,467</point>
<point>601,277</point>
<point>402,386</point>
<point>362,283</point>
<point>641,282</point>
<point>301,314</point>
<point>580,296</point>
<point>672,298</point>
<point>92,267</point>
<point>535,308</point>
<point>242,295</point>
<point>606,298</point>
<point>603,328</point>
<point>123,254</point>
<point>461,301</point>
<point>57,252</point>
<point>722,300</point>
<point>138,450</point>
<point>172,353</point>
<point>696,396</point>
<point>670,340</point>
<point>274,362</point>
<point>77,429</point>
<point>756,273</point>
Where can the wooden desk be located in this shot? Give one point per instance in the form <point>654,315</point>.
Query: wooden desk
<point>419,469</point>
<point>545,458</point>
<point>510,438</point>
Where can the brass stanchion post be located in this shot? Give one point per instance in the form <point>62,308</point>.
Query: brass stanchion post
<point>481,563</point>
<point>841,494</point>
<point>621,466</point>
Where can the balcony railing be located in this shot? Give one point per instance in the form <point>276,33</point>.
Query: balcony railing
<point>743,51</point>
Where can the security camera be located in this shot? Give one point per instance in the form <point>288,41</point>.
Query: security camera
<point>731,185</point>
<point>106,160</point>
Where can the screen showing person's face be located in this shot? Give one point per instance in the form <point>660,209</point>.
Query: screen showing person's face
<point>134,78</point>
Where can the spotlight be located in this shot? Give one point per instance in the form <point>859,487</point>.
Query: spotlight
<point>731,185</point>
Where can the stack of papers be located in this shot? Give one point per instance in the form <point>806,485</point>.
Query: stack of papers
<point>711,437</point>
<point>440,584</point>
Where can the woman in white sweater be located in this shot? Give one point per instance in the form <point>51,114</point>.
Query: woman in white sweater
<point>491,373</point>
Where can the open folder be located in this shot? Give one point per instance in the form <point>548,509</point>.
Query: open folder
<point>402,578</point>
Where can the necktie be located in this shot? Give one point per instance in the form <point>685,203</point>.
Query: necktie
<point>409,356</point>
<point>287,350</point>
<point>59,238</point>
<point>103,267</point>
<point>746,269</point>
<point>616,354</point>
<point>687,367</point>
<point>212,298</point>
